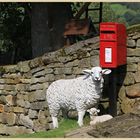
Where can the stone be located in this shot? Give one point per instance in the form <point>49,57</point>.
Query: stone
<point>27,75</point>
<point>137,76</point>
<point>133,60</point>
<point>49,119</point>
<point>138,66</point>
<point>122,94</point>
<point>55,65</point>
<point>94,61</point>
<point>36,87</point>
<point>67,70</point>
<point>3,99</point>
<point>10,68</point>
<point>38,95</point>
<point>138,43</point>
<point>72,64</point>
<point>10,118</point>
<point>51,126</point>
<point>131,43</point>
<point>1,108</point>
<point>70,76</point>
<point>36,62</point>
<point>12,76</point>
<point>14,130</point>
<point>2,81</point>
<point>25,81</point>
<point>40,127</point>
<point>50,77</point>
<point>8,109</point>
<point>41,114</point>
<point>7,87</point>
<point>133,52</point>
<point>40,73</point>
<point>10,100</point>
<point>84,63</point>
<point>49,70</point>
<point>25,121</point>
<point>123,126</point>
<point>67,59</point>
<point>49,58</point>
<point>23,66</point>
<point>32,114</point>
<point>131,67</point>
<point>133,90</point>
<point>129,79</point>
<point>39,105</point>
<point>137,36</point>
<point>22,87</point>
<point>27,104</point>
<point>77,70</point>
<point>59,71</point>
<point>18,110</point>
<point>62,76</point>
<point>12,81</point>
<point>127,105</point>
<point>37,69</point>
<point>4,92</point>
<point>94,52</point>
<point>23,103</point>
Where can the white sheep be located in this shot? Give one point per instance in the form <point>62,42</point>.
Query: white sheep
<point>80,93</point>
<point>97,119</point>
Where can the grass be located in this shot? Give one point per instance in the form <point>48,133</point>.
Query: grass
<point>65,126</point>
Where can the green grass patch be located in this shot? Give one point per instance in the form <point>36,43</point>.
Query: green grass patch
<point>65,126</point>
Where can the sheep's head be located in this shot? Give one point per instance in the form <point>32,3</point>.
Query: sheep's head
<point>96,73</point>
<point>93,111</point>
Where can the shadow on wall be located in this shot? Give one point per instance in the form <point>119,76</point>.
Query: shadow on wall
<point>112,83</point>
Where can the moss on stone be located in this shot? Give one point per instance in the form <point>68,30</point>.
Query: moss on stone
<point>133,28</point>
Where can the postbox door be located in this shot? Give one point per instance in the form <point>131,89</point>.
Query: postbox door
<point>108,54</point>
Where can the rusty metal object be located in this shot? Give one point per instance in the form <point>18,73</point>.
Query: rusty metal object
<point>77,27</point>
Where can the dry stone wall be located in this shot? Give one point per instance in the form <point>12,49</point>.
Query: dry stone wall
<point>23,106</point>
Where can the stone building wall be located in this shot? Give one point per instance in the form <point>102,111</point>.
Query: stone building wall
<point>23,106</point>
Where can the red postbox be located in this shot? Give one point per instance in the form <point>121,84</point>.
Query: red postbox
<point>112,44</point>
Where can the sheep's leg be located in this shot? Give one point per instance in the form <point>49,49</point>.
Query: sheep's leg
<point>55,122</point>
<point>80,117</point>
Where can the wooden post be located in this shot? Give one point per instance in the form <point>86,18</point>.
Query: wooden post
<point>113,93</point>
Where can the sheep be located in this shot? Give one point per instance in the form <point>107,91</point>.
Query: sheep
<point>97,119</point>
<point>78,94</point>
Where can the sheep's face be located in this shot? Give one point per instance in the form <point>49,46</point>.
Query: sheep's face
<point>96,73</point>
<point>93,111</point>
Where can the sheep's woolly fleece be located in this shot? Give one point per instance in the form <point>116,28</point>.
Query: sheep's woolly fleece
<point>79,93</point>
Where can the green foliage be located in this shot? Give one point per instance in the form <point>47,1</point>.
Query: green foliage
<point>127,12</point>
<point>15,29</point>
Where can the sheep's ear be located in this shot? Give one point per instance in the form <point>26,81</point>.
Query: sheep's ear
<point>106,71</point>
<point>87,72</point>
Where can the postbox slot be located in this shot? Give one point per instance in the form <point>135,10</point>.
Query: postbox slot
<point>108,32</point>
